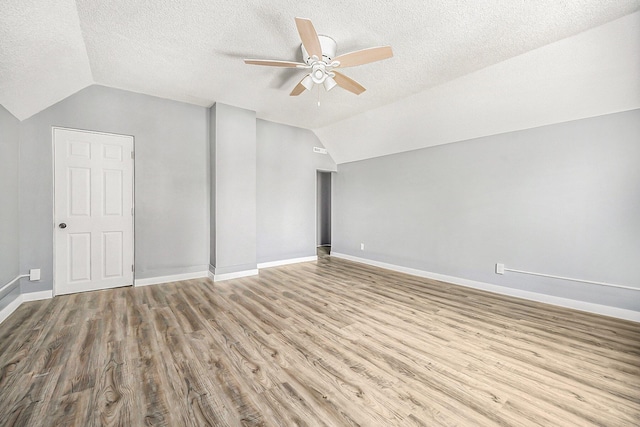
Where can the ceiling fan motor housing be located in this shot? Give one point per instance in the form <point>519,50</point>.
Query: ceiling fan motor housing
<point>328,46</point>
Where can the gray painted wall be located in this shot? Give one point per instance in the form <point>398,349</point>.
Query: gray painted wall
<point>233,154</point>
<point>324,208</point>
<point>561,199</point>
<point>171,185</point>
<point>9,224</point>
<point>286,191</point>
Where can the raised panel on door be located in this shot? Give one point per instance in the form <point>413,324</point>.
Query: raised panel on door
<point>112,254</point>
<point>79,149</point>
<point>79,191</point>
<point>112,152</point>
<point>79,259</point>
<point>112,192</point>
<point>93,198</point>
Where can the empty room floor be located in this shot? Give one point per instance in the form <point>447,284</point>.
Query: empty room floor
<point>329,343</point>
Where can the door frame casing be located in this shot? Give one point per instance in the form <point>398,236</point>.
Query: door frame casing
<point>53,192</point>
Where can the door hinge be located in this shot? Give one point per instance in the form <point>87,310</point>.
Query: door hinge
<point>132,269</point>
<point>131,211</point>
<point>133,155</point>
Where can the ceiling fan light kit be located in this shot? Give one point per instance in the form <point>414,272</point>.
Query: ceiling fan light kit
<point>307,82</point>
<point>319,55</point>
<point>329,83</point>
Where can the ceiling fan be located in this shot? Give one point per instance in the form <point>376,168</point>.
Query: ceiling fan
<point>318,53</point>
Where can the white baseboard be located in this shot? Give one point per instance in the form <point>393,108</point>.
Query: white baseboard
<point>37,296</point>
<point>253,272</point>
<point>30,296</point>
<point>604,310</point>
<point>235,275</point>
<point>173,278</point>
<point>13,306</point>
<point>287,261</point>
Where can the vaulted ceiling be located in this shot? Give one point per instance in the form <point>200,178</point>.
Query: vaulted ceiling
<point>192,51</point>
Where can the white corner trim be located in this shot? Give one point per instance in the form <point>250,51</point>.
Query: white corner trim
<point>589,307</point>
<point>287,261</point>
<point>235,275</point>
<point>30,296</point>
<point>173,278</point>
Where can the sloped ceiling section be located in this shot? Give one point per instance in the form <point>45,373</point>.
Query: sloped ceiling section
<point>43,58</point>
<point>192,51</point>
<point>593,73</point>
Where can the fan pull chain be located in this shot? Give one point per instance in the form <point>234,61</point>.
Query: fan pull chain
<point>318,95</point>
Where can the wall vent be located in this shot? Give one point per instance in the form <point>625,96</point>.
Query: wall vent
<point>319,150</point>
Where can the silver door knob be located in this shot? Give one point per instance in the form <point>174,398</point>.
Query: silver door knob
<point>62,225</point>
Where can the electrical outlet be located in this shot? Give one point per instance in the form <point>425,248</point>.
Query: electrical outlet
<point>362,246</point>
<point>499,268</point>
<point>34,274</point>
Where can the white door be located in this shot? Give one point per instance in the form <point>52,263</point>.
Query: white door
<point>93,211</point>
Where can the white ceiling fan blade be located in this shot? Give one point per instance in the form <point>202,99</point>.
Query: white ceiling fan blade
<point>322,72</point>
<point>348,83</point>
<point>364,56</point>
<point>309,37</point>
<point>274,63</point>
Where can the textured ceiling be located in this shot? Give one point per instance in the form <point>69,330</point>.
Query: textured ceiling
<point>43,58</point>
<point>192,51</point>
<point>593,73</point>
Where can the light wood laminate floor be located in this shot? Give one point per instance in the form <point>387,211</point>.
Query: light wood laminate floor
<point>329,343</point>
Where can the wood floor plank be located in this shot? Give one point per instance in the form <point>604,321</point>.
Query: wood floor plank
<point>23,316</point>
<point>21,347</point>
<point>21,406</point>
<point>326,343</point>
<point>70,410</point>
<point>237,393</point>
